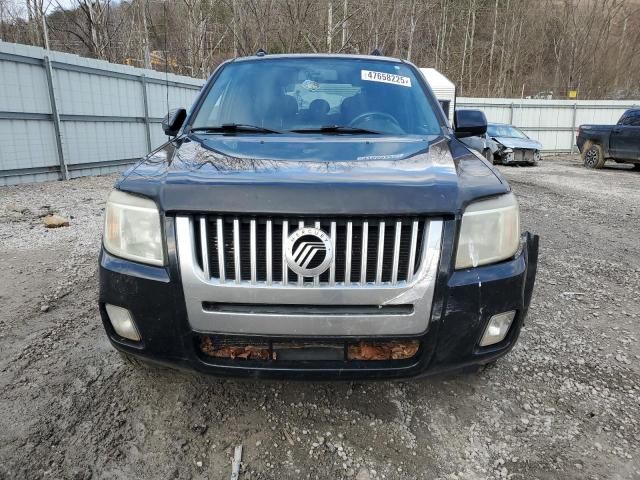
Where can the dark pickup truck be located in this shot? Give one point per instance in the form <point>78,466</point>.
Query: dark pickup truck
<point>315,216</point>
<point>620,142</point>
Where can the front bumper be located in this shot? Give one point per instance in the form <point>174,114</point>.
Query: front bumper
<point>518,156</point>
<point>463,303</point>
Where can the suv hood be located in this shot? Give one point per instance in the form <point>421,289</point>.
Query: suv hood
<point>313,175</point>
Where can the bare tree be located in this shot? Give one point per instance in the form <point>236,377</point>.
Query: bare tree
<point>490,47</point>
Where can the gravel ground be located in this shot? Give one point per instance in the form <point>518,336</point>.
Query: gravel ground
<point>564,404</point>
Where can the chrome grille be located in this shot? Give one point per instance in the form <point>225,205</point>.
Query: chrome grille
<point>367,250</point>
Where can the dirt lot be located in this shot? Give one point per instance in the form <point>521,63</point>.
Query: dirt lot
<point>564,404</point>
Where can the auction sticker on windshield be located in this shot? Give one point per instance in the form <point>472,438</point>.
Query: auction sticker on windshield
<point>386,78</point>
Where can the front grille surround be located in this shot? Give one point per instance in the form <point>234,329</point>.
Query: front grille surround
<point>367,250</point>
<point>201,289</point>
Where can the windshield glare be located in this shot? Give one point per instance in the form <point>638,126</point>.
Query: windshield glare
<point>504,131</point>
<point>309,93</point>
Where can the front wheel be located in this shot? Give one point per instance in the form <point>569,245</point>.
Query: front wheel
<point>636,166</point>
<point>594,157</point>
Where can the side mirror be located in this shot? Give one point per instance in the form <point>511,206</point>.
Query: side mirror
<point>470,123</point>
<point>172,121</point>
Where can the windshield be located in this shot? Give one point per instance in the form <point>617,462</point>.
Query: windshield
<point>306,94</point>
<point>504,131</point>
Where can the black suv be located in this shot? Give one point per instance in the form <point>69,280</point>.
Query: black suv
<point>315,216</point>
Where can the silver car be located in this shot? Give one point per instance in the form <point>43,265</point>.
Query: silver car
<point>506,144</point>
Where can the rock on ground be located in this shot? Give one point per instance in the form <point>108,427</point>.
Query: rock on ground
<point>55,221</point>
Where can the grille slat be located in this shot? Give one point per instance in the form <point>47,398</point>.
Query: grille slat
<point>332,271</point>
<point>285,269</point>
<point>365,250</point>
<point>316,279</point>
<point>396,253</point>
<point>269,252</point>
<point>347,253</point>
<point>220,247</point>
<point>203,247</point>
<point>363,261</point>
<point>236,250</point>
<point>253,252</point>
<point>380,259</point>
<point>300,277</point>
<point>412,249</point>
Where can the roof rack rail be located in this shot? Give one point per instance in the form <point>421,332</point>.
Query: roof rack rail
<point>261,52</point>
<point>377,52</point>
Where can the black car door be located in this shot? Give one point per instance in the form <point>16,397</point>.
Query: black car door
<point>633,136</point>
<point>625,137</point>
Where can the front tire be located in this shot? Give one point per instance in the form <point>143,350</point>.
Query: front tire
<point>636,167</point>
<point>594,157</point>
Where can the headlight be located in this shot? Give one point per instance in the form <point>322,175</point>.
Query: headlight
<point>490,232</point>
<point>132,228</point>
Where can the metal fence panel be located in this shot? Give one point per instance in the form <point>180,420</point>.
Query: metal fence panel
<point>26,144</point>
<point>103,117</point>
<point>108,115</point>
<point>91,94</point>
<point>87,142</point>
<point>24,87</point>
<point>157,95</point>
<point>552,122</point>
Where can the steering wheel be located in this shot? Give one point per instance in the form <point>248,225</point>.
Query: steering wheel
<point>368,116</point>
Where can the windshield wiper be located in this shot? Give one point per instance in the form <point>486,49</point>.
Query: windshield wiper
<point>336,129</point>
<point>234,128</point>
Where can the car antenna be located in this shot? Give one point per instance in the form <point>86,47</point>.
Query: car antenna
<point>166,59</point>
<point>261,52</point>
<point>376,52</point>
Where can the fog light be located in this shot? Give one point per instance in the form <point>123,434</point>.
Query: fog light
<point>497,328</point>
<point>122,322</point>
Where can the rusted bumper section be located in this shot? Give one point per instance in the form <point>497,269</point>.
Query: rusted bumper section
<point>464,301</point>
<point>242,348</point>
